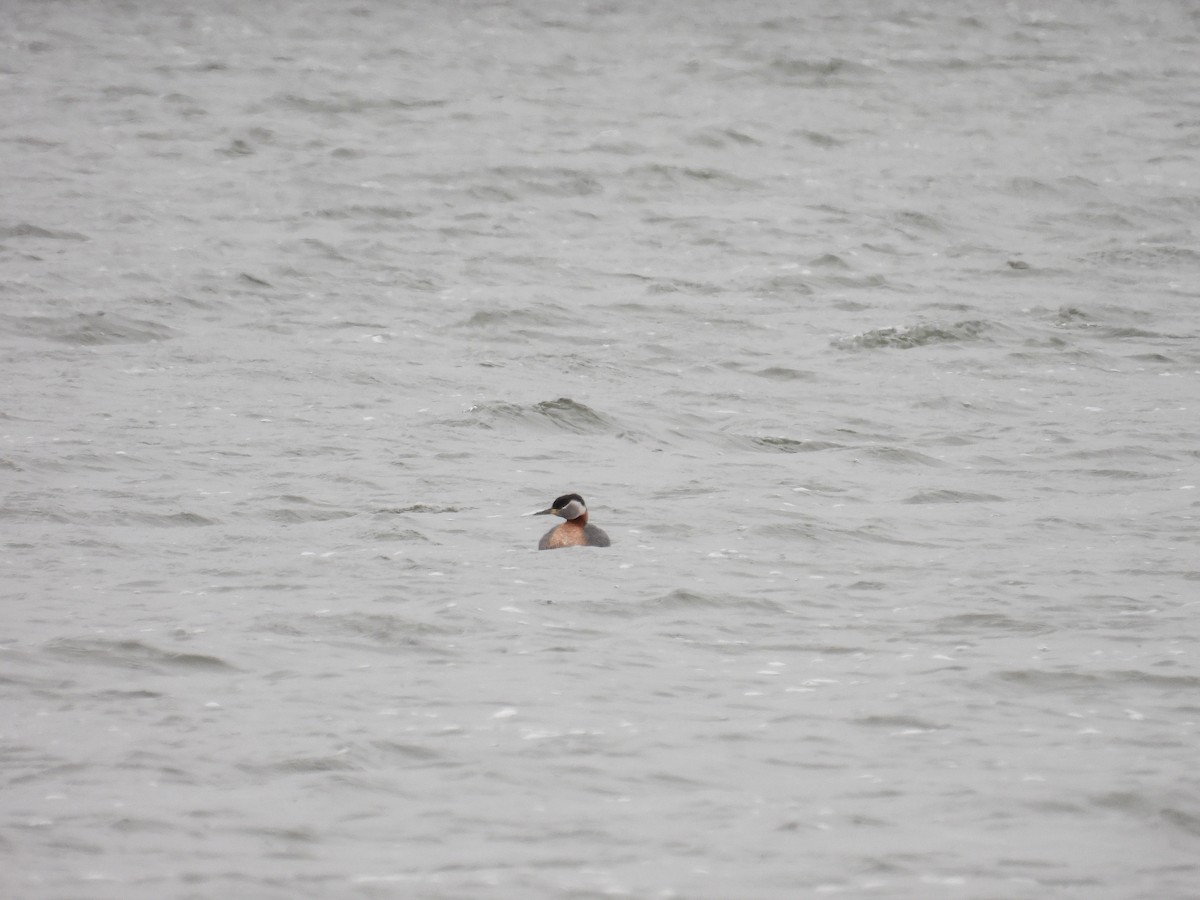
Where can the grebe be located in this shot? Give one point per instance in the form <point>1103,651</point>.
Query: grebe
<point>575,532</point>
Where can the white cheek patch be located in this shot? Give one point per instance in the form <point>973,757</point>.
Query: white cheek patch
<point>572,510</point>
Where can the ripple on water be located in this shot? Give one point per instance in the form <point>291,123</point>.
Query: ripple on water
<point>380,632</point>
<point>952,496</point>
<point>699,600</point>
<point>913,336</point>
<point>561,414</point>
<point>87,329</point>
<point>129,654</point>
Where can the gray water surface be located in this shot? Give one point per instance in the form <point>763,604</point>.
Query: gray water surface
<point>868,330</point>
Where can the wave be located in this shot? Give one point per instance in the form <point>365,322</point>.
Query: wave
<point>788,445</point>
<point>87,329</point>
<point>685,599</point>
<point>660,176</point>
<point>563,414</point>
<point>950,496</point>
<point>377,631</point>
<point>342,102</point>
<point>819,72</point>
<point>129,654</point>
<point>913,336</point>
<point>25,230</point>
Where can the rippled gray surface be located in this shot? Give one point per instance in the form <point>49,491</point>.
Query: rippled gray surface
<point>868,330</point>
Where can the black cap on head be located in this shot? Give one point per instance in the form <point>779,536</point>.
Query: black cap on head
<point>562,501</point>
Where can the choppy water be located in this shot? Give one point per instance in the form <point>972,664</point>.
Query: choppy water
<point>868,330</point>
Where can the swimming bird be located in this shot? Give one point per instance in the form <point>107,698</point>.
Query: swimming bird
<point>575,532</point>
